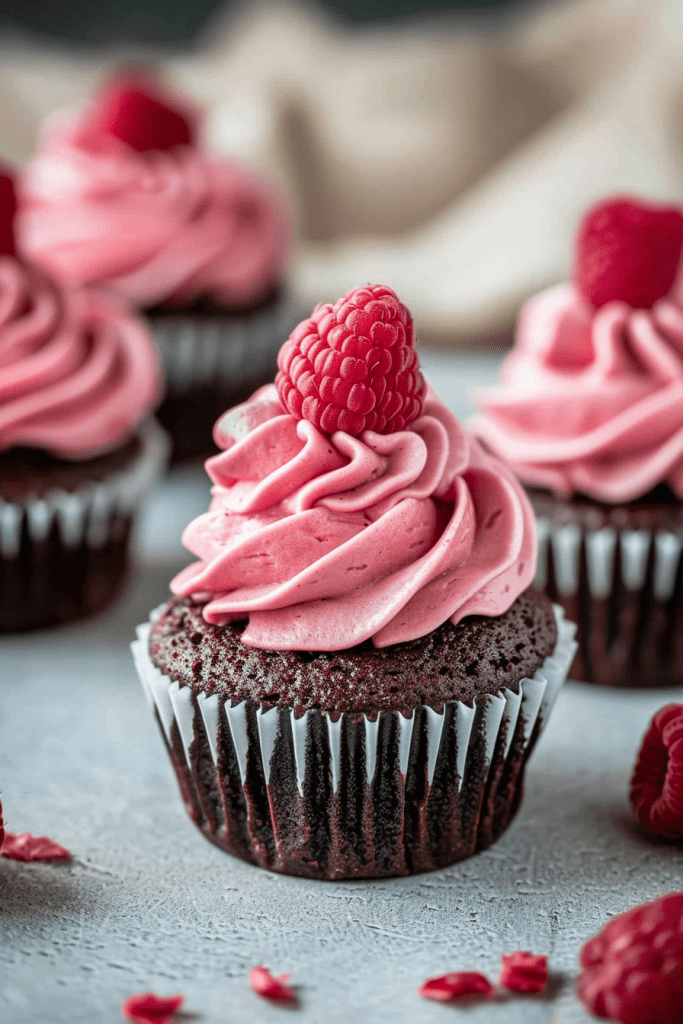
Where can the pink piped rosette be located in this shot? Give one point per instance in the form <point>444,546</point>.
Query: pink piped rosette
<point>590,417</point>
<point>325,539</point>
<point>79,449</point>
<point>123,195</point>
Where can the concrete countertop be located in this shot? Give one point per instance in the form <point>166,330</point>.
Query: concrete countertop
<point>147,903</point>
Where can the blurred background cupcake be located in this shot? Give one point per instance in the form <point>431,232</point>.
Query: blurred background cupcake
<point>351,678</point>
<point>590,416</point>
<point>79,449</point>
<point>123,195</point>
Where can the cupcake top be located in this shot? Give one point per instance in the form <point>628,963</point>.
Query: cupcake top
<point>77,371</point>
<point>591,401</point>
<point>121,194</point>
<point>348,502</point>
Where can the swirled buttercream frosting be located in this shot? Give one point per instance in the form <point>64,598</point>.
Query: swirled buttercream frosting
<point>323,541</point>
<point>592,400</point>
<point>161,227</point>
<point>591,397</point>
<point>77,371</point>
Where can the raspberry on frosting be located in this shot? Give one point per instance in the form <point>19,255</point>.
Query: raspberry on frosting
<point>353,366</point>
<point>657,781</point>
<point>631,971</point>
<point>628,250</point>
<point>133,108</point>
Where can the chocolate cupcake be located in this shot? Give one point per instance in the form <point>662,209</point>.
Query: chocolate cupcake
<point>350,680</point>
<point>78,447</point>
<point>123,195</point>
<point>590,417</point>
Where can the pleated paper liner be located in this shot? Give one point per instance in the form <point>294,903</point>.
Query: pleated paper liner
<point>348,795</point>
<point>214,361</point>
<point>624,589</point>
<point>64,555</point>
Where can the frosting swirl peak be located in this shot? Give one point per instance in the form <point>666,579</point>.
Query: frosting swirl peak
<point>592,400</point>
<point>322,542</point>
<point>167,226</point>
<point>77,371</point>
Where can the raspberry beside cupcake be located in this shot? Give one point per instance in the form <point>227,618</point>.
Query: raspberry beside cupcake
<point>351,678</point>
<point>123,195</point>
<point>78,448</point>
<point>590,417</point>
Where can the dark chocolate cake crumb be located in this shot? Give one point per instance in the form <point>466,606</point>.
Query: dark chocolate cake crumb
<point>480,655</point>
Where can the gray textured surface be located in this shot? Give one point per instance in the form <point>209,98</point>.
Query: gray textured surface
<point>148,903</point>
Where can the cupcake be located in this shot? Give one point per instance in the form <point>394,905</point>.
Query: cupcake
<point>123,195</point>
<point>590,416</point>
<point>351,678</point>
<point>78,447</point>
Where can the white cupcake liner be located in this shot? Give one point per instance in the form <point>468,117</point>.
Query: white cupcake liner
<point>227,351</point>
<point>93,514</point>
<point>560,549</point>
<point>623,587</point>
<point>458,743</point>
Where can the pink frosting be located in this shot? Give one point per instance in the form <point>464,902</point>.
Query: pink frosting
<point>592,400</point>
<point>77,371</point>
<point>160,227</point>
<point>323,542</point>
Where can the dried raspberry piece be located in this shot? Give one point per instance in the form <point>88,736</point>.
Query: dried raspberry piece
<point>8,208</point>
<point>353,366</point>
<point>134,109</point>
<point>275,988</point>
<point>657,781</point>
<point>455,985</point>
<point>147,1008</point>
<point>523,972</point>
<point>632,970</point>
<point>628,250</point>
<point>2,828</point>
<point>23,846</point>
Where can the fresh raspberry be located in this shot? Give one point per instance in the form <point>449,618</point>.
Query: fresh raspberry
<point>456,985</point>
<point>147,1008</point>
<point>8,208</point>
<point>628,250</point>
<point>523,972</point>
<point>353,365</point>
<point>657,781</point>
<point>263,983</point>
<point>632,971</point>
<point>134,109</point>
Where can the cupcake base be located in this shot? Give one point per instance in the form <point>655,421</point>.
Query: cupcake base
<point>618,573</point>
<point>333,795</point>
<point>213,360</point>
<point>65,529</point>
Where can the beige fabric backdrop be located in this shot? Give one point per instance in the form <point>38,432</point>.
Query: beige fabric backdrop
<point>450,162</point>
